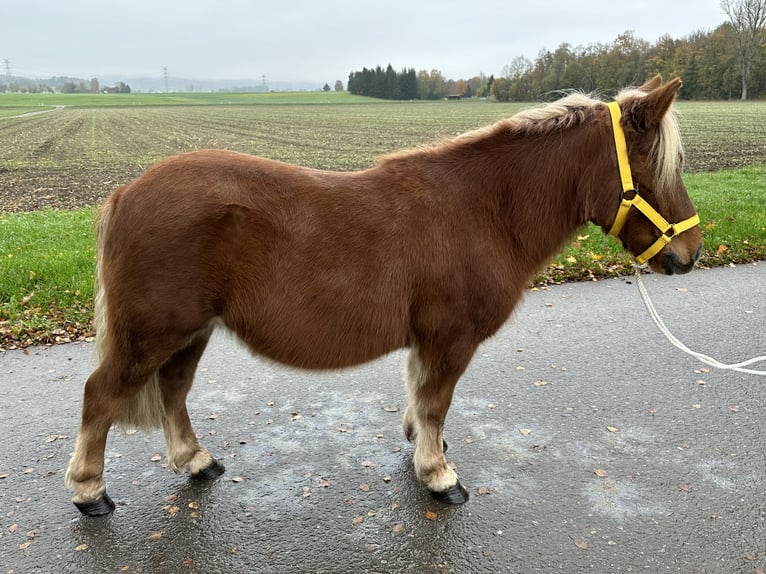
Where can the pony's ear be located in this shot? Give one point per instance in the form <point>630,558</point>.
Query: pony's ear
<point>647,112</point>
<point>652,84</point>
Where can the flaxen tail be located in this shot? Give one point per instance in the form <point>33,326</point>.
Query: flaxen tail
<point>146,409</point>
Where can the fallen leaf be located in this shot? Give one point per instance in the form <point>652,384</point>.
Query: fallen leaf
<point>685,487</point>
<point>469,439</point>
<point>357,520</point>
<point>722,249</point>
<point>612,429</point>
<point>25,545</point>
<point>237,479</point>
<point>398,528</point>
<point>696,406</point>
<point>431,515</point>
<point>156,458</point>
<point>387,479</point>
<point>368,464</point>
<point>525,432</point>
<point>601,473</point>
<point>213,416</point>
<point>581,544</point>
<point>323,483</point>
<point>13,528</point>
<point>171,509</point>
<point>306,491</point>
<point>391,408</point>
<point>55,437</point>
<point>540,383</point>
<point>4,475</point>
<point>364,487</point>
<point>483,490</point>
<point>193,505</point>
<point>80,547</point>
<point>571,259</point>
<point>155,535</point>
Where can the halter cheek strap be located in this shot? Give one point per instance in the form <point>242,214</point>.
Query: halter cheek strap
<point>667,230</point>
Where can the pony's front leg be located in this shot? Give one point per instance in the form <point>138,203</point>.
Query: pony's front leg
<point>430,384</point>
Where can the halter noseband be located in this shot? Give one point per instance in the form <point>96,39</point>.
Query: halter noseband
<point>667,231</point>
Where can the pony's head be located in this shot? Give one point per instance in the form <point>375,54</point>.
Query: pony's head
<point>655,220</point>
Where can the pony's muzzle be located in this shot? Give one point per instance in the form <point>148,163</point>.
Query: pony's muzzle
<point>673,265</point>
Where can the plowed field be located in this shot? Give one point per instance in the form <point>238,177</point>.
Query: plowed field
<point>73,157</point>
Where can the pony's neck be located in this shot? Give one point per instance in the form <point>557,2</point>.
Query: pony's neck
<point>545,186</point>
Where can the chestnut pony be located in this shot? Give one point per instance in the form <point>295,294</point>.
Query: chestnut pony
<point>429,249</point>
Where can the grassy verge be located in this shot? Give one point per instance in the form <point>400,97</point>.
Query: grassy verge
<point>47,258</point>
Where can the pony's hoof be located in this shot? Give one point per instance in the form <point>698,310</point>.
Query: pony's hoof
<point>98,507</point>
<point>210,472</point>
<point>453,495</point>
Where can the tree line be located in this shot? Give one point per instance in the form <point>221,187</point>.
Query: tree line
<point>707,61</point>
<point>61,84</point>
<point>726,63</point>
<point>387,84</point>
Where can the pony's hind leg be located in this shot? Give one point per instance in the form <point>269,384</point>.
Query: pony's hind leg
<point>108,392</point>
<point>175,380</point>
<point>431,380</point>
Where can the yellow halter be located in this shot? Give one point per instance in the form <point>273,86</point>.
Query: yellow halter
<point>668,231</point>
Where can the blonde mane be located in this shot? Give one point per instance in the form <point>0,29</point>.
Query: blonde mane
<point>569,111</point>
<point>575,108</point>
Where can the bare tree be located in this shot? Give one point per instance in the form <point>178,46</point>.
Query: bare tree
<point>748,19</point>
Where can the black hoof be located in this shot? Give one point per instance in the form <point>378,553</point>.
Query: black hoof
<point>211,472</point>
<point>98,507</point>
<point>453,495</point>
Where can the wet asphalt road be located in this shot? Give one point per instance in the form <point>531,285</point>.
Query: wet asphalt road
<point>587,442</point>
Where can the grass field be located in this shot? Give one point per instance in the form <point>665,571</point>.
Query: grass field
<point>183,99</point>
<point>73,157</point>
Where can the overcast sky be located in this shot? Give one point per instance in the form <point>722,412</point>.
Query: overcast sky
<point>317,40</point>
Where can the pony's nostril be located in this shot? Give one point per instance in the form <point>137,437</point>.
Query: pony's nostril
<point>669,264</point>
<point>698,253</point>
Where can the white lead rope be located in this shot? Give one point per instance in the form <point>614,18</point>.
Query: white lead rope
<point>670,337</point>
